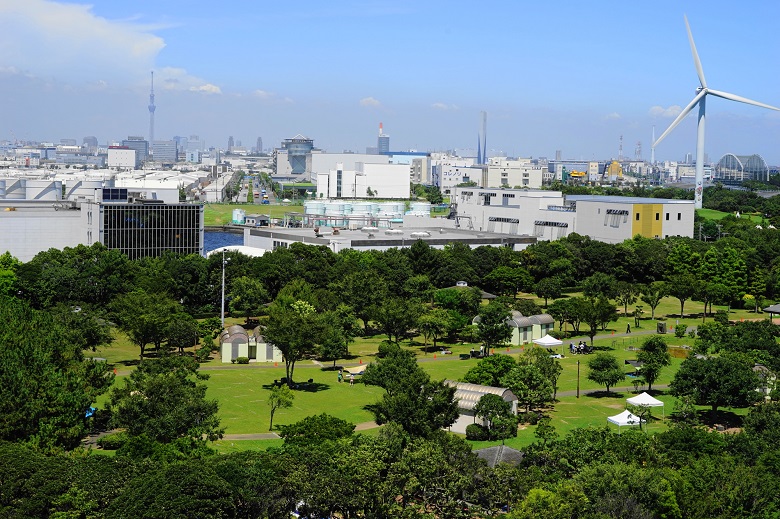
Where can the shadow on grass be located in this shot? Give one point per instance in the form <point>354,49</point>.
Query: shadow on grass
<point>309,387</point>
<point>727,419</point>
<point>604,394</point>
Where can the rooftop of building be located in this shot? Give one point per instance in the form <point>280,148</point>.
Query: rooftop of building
<point>625,199</point>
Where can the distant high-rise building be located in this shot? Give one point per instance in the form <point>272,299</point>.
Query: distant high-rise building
<point>382,142</point>
<point>68,142</point>
<point>164,152</point>
<point>90,143</point>
<point>558,155</point>
<point>230,144</point>
<point>259,148</point>
<point>152,108</point>
<point>141,147</point>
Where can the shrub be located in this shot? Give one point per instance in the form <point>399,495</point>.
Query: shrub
<point>679,332</point>
<point>476,432</point>
<point>112,442</point>
<point>386,348</point>
<point>533,418</point>
<point>203,353</point>
<point>242,360</point>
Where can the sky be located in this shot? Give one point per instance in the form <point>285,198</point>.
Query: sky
<point>557,75</point>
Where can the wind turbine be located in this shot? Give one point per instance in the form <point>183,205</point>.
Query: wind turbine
<point>701,98</point>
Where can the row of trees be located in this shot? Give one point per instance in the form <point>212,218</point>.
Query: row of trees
<point>324,469</point>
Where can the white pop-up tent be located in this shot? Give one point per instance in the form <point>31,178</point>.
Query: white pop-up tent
<point>624,418</point>
<point>547,341</point>
<point>647,400</point>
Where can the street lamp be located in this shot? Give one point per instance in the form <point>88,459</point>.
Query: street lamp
<point>224,262</point>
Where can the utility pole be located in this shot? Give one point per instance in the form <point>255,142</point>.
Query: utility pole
<point>222,314</point>
<point>578,378</point>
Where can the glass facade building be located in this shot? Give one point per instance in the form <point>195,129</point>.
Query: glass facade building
<point>150,229</point>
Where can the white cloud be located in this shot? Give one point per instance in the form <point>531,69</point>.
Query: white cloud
<point>208,88</point>
<point>443,106</point>
<point>262,94</point>
<point>370,101</point>
<point>613,115</point>
<point>660,111</point>
<point>68,41</point>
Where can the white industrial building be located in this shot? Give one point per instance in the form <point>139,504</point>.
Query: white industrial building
<point>121,158</point>
<point>518,173</point>
<point>386,181</point>
<point>548,215</point>
<point>39,214</point>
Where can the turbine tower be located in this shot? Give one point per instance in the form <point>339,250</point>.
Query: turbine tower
<point>701,100</point>
<point>151,115</point>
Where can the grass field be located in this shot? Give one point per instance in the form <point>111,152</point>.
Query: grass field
<point>222,214</point>
<point>712,214</point>
<point>242,390</point>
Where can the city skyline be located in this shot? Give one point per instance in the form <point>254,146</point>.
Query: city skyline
<point>571,77</point>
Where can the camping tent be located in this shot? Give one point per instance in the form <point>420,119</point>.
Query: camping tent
<point>547,341</point>
<point>647,400</point>
<point>624,418</point>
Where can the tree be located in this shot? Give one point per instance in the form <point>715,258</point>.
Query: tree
<point>8,267</point>
<point>182,332</point>
<point>397,316</point>
<point>599,284</point>
<point>595,313</point>
<point>726,380</point>
<point>144,317</point>
<point>490,370</point>
<point>333,346</point>
<point>164,401</point>
<point>492,328</point>
<point>293,328</point>
<point>315,430</point>
<point>46,384</point>
<point>529,385</point>
<point>494,410</point>
<point>549,366</point>
<point>281,397</point>
<point>682,287</point>
<point>625,294</point>
<point>505,280</point>
<point>363,290</point>
<point>654,357</point>
<point>605,370</point>
<point>420,406</point>
<point>548,288</point>
<point>433,324</point>
<point>247,297</point>
<point>652,294</point>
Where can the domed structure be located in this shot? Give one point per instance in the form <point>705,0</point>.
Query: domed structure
<point>738,168</point>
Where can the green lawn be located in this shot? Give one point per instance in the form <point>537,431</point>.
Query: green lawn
<point>222,214</point>
<point>242,391</point>
<point>712,214</point>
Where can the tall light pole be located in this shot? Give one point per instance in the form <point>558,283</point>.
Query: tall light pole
<point>222,314</point>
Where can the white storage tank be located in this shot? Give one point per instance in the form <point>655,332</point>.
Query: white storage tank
<point>392,207</point>
<point>421,208</point>
<point>239,216</point>
<point>313,207</point>
<point>44,190</point>
<point>335,209</point>
<point>362,208</point>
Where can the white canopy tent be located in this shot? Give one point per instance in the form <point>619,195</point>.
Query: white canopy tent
<point>547,340</point>
<point>649,401</point>
<point>624,418</point>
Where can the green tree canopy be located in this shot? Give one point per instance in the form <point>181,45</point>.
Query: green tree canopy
<point>605,370</point>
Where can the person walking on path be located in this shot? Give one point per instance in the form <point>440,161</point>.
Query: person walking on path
<point>351,379</point>
<point>628,328</point>
<point>341,377</point>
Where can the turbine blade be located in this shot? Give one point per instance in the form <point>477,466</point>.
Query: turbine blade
<point>696,60</point>
<point>680,117</point>
<point>732,97</point>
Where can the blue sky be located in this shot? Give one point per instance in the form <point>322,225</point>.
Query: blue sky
<point>569,75</point>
